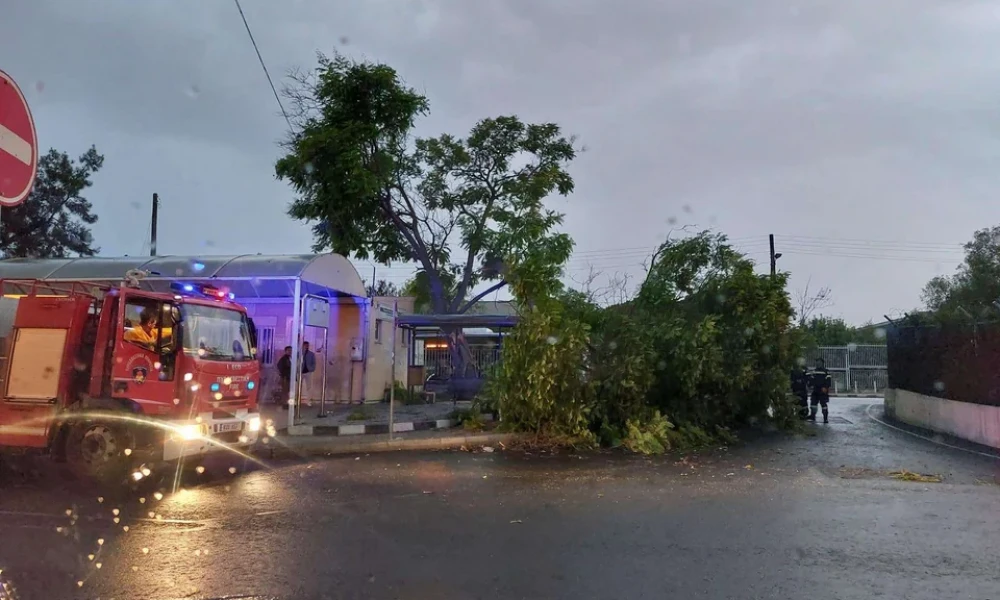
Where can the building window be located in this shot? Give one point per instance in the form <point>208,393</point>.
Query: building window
<point>265,345</point>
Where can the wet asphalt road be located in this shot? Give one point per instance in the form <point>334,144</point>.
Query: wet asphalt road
<point>814,517</point>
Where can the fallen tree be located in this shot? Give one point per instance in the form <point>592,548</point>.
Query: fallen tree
<point>702,348</point>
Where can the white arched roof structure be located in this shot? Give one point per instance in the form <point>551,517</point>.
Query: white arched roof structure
<point>246,276</point>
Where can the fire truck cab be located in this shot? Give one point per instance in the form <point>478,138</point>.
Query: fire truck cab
<point>114,379</point>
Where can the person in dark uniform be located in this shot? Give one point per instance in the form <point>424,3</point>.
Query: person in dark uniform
<point>285,374</point>
<point>820,383</point>
<point>800,387</point>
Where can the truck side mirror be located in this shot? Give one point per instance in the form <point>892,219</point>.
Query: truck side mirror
<point>253,334</point>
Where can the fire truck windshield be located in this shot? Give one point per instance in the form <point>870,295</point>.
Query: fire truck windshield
<point>215,333</point>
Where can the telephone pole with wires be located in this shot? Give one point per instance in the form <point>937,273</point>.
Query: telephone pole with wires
<point>774,256</point>
<point>152,224</point>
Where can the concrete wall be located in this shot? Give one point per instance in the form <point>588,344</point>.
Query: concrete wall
<point>379,368</point>
<point>973,422</point>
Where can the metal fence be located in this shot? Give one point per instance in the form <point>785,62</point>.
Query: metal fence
<point>856,368</point>
<point>437,361</point>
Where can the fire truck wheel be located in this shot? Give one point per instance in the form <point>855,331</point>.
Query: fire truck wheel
<point>97,450</point>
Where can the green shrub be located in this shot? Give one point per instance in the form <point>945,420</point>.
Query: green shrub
<point>649,436</point>
<point>540,386</point>
<point>706,341</point>
<point>470,419</point>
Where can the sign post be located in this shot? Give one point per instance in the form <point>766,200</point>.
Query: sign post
<point>18,146</point>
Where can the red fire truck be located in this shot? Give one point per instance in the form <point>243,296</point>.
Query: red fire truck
<point>114,379</point>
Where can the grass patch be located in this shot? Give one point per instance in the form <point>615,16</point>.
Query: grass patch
<point>470,419</point>
<point>360,414</point>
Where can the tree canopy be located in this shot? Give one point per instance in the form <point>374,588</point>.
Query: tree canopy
<point>465,209</point>
<point>830,331</point>
<point>704,343</point>
<point>383,288</point>
<point>54,221</point>
<point>973,291</point>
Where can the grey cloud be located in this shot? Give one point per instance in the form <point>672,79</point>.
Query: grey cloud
<point>840,119</point>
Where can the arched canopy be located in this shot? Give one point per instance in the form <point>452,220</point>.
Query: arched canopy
<point>247,276</point>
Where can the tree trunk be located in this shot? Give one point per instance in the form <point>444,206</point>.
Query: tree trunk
<point>464,374</point>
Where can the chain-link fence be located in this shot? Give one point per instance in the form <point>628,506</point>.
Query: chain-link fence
<point>856,368</point>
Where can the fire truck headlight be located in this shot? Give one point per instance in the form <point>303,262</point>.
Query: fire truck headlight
<point>253,424</point>
<point>189,432</point>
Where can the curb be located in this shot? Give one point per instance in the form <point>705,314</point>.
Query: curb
<point>934,437</point>
<point>373,429</point>
<point>333,445</point>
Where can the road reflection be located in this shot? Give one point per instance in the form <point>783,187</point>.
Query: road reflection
<point>63,537</point>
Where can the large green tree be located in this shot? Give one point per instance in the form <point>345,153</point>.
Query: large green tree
<point>464,209</point>
<point>973,291</point>
<point>831,331</point>
<point>55,219</point>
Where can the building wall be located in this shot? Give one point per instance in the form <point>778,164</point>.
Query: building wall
<point>378,377</point>
<point>977,423</point>
<point>344,376</point>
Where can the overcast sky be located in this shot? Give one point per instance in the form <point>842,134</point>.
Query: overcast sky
<point>863,134</point>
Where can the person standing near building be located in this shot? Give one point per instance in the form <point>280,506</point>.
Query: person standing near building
<point>308,368</point>
<point>800,387</point>
<point>820,381</point>
<point>285,374</point>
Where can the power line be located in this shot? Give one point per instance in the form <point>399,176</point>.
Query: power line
<point>635,257</point>
<point>834,254</point>
<point>262,65</point>
<point>875,242</point>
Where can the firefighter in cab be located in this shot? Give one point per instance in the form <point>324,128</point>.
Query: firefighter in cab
<point>819,383</point>
<point>146,333</point>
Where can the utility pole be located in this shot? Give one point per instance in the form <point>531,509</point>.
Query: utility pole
<point>774,257</point>
<point>152,232</point>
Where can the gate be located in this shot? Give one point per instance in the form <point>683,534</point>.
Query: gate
<point>856,368</point>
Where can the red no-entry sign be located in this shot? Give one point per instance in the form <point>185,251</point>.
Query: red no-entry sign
<point>18,144</point>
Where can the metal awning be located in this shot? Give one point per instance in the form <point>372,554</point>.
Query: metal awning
<point>439,321</point>
<point>247,276</point>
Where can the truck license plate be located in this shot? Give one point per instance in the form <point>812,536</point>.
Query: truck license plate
<point>224,427</point>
